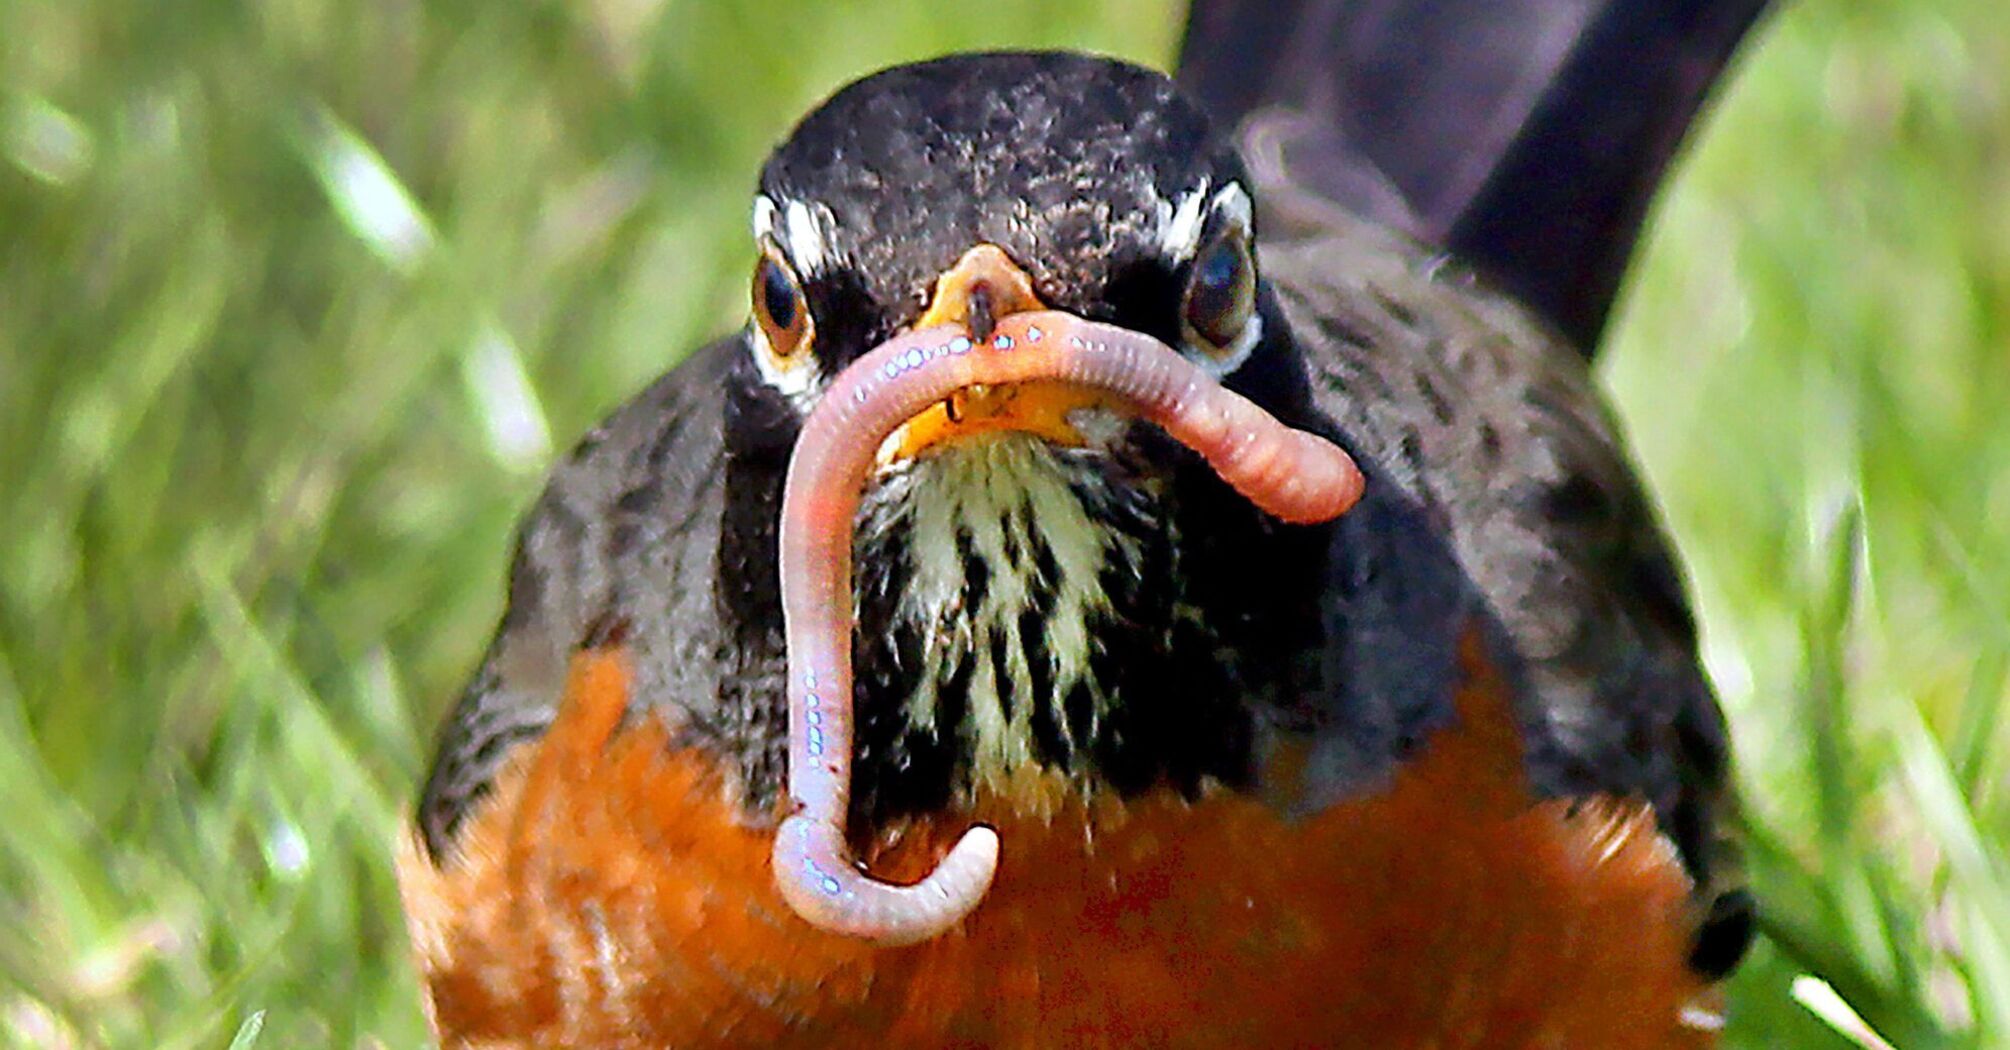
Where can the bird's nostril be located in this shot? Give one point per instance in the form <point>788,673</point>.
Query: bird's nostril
<point>981,314</point>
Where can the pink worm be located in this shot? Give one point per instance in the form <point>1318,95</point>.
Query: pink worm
<point>1296,476</point>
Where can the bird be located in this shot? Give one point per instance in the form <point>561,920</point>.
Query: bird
<point>1130,756</point>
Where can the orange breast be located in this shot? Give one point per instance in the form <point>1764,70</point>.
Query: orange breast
<point>607,894</point>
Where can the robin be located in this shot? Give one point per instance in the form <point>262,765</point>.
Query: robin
<point>1125,733</point>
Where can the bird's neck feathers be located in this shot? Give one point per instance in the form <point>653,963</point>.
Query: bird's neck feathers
<point>1034,623</point>
<point>993,577</point>
<point>1027,632</point>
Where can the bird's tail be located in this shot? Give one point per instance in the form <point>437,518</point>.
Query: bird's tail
<point>1526,137</point>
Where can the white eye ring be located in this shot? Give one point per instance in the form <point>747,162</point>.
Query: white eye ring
<point>787,234</point>
<point>1181,225</point>
<point>1200,218</point>
<point>800,382</point>
<point>799,227</point>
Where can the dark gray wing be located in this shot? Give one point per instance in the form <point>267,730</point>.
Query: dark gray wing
<point>1499,495</point>
<point>629,523</point>
<point>1526,136</point>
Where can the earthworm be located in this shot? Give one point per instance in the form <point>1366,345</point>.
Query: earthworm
<point>1291,474</point>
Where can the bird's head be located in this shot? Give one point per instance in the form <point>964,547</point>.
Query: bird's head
<point>969,188</point>
<point>1045,583</point>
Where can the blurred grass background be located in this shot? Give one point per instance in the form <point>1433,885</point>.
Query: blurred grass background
<point>297,298</point>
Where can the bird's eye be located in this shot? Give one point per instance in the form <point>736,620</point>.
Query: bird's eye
<point>1220,293</point>
<point>780,310</point>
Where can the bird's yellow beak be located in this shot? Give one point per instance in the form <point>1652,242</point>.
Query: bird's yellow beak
<point>984,286</point>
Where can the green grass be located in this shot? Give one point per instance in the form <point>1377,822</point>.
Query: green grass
<point>261,449</point>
